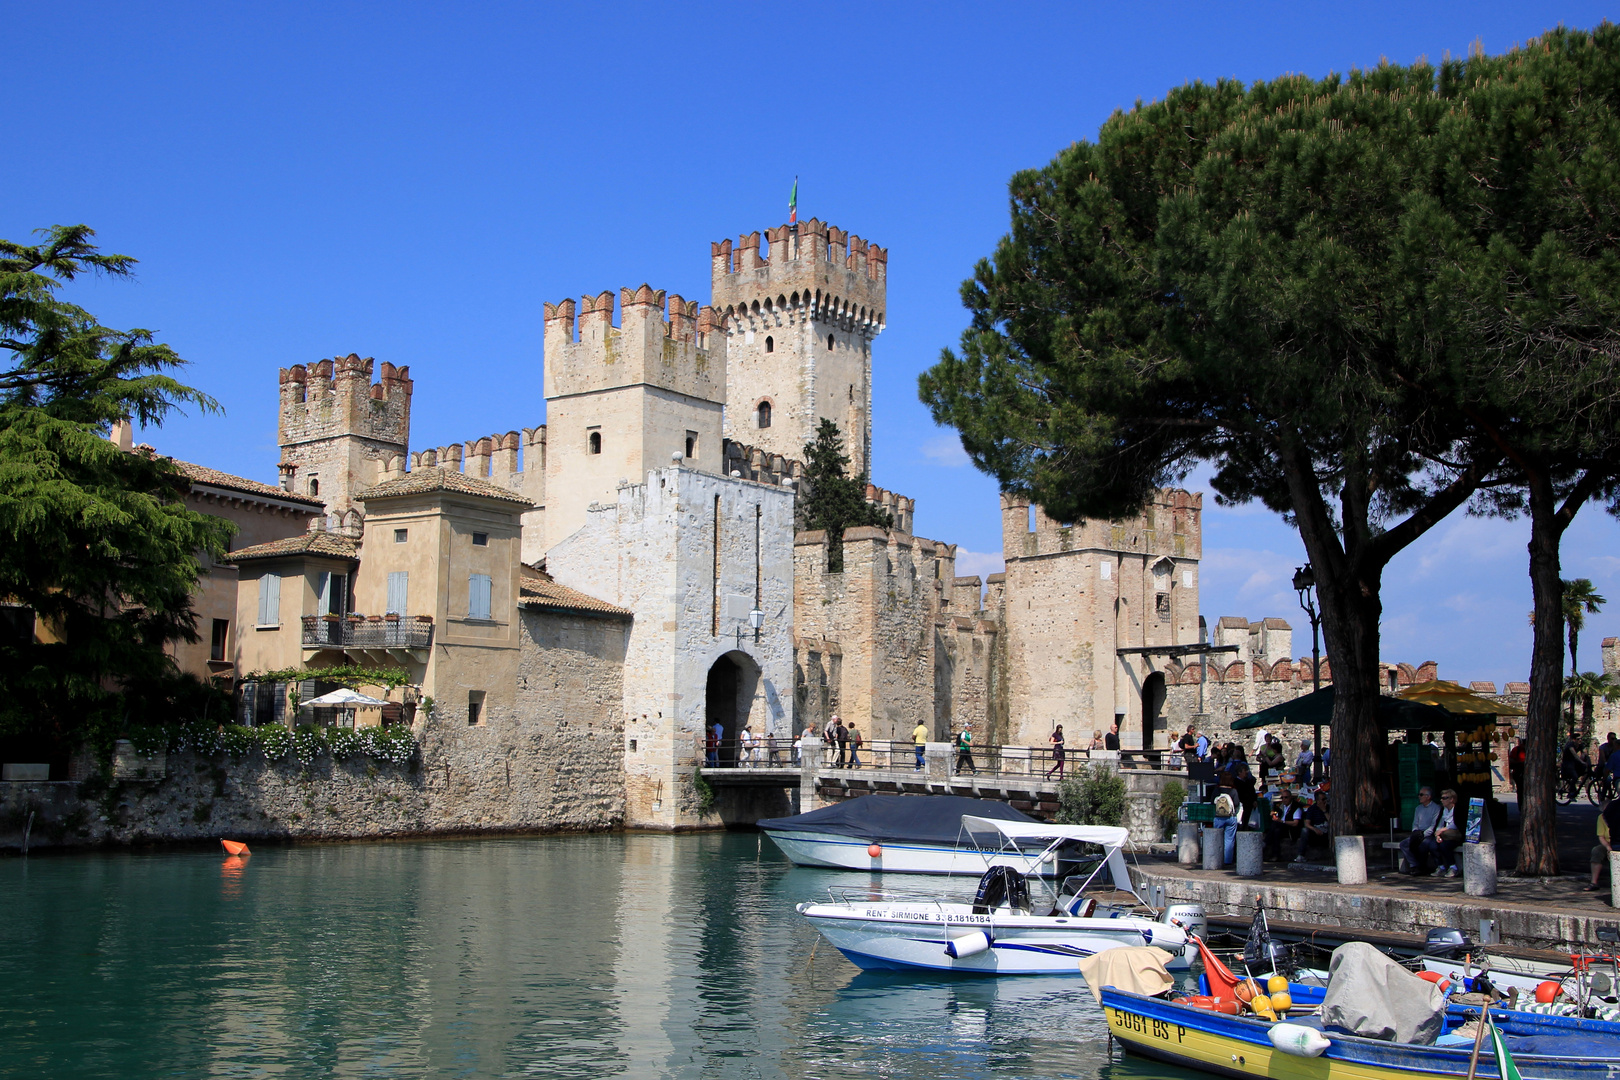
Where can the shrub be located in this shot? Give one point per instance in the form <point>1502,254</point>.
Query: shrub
<point>1170,800</point>
<point>1095,795</point>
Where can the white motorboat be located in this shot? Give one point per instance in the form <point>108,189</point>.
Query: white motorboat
<point>1000,932</point>
<point>908,834</point>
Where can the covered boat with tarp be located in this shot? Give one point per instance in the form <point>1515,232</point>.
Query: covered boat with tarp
<point>911,834</point>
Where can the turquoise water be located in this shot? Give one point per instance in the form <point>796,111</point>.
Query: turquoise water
<point>581,956</point>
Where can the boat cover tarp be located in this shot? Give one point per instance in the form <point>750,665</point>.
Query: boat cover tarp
<point>926,819</point>
<point>1370,995</point>
<point>1136,969</point>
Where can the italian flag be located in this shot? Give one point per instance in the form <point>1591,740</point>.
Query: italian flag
<point>1504,1060</point>
<point>793,203</point>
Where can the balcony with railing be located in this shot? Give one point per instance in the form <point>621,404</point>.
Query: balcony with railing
<point>376,633</point>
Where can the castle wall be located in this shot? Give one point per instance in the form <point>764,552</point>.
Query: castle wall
<point>1073,594</point>
<point>654,552</point>
<point>801,315</point>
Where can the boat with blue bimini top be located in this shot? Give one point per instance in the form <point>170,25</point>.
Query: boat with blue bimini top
<point>1001,931</point>
<point>1373,1021</point>
<point>905,834</point>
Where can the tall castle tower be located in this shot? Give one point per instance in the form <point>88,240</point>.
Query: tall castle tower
<point>622,400</point>
<point>339,431</point>
<point>801,315</point>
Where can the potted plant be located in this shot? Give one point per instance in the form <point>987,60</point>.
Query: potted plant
<point>392,616</point>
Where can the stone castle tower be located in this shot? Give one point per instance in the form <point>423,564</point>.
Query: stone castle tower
<point>340,432</point>
<point>624,400</point>
<point>801,313</point>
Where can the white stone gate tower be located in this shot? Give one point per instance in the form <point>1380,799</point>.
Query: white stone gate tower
<point>801,314</point>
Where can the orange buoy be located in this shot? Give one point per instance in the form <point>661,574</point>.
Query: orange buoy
<point>1548,991</point>
<point>236,847</point>
<point>875,850</point>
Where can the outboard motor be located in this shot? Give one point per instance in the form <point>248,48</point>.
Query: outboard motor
<point>1001,885</point>
<point>1446,942</point>
<point>1190,917</point>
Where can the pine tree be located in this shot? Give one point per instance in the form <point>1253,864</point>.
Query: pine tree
<point>831,501</point>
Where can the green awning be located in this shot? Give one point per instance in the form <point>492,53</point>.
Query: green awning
<point>1394,714</point>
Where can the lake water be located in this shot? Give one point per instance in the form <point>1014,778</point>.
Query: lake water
<point>587,956</point>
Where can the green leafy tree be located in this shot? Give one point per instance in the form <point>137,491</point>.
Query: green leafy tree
<point>830,500</point>
<point>98,543</point>
<point>1235,275</point>
<point>1527,298</point>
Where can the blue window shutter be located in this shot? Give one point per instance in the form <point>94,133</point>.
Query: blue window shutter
<point>478,590</point>
<point>398,592</point>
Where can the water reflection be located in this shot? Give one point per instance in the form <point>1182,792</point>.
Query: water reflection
<point>581,956</point>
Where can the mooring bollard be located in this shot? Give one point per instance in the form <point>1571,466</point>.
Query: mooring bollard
<point>1214,849</point>
<point>1350,856</point>
<point>1251,846</point>
<point>1188,851</point>
<point>1479,868</point>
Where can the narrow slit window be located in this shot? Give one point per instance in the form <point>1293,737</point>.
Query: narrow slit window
<point>830,342</point>
<point>596,442</point>
<point>314,486</point>
<point>764,414</point>
<point>691,445</point>
<point>221,636</point>
<point>770,343</point>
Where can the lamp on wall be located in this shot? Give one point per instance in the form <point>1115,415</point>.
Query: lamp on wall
<point>756,619</point>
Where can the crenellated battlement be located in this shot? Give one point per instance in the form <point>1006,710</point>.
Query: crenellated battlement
<point>339,431</point>
<point>684,352</point>
<point>813,271</point>
<point>754,463</point>
<point>1169,525</point>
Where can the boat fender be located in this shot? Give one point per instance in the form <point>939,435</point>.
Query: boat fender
<point>875,850</point>
<point>1298,1040</point>
<point>968,944</point>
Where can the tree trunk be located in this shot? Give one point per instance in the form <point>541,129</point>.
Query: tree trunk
<point>1538,803</point>
<point>1357,805</point>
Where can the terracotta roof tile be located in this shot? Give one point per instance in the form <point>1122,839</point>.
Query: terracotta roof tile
<point>538,590</point>
<point>311,543</point>
<point>425,481</point>
<point>199,474</point>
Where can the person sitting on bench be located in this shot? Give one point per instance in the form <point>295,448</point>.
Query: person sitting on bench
<point>1313,824</point>
<point>1284,824</point>
<point>1425,817</point>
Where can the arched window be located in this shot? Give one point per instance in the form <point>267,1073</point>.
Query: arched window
<point>691,447</point>
<point>596,442</point>
<point>314,486</point>
<point>764,414</point>
<point>770,344</point>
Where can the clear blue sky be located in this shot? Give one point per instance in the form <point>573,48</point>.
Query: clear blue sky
<point>410,182</point>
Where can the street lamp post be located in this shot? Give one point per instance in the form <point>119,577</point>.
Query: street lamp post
<point>1305,585</point>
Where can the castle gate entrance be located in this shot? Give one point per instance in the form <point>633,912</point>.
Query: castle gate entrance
<point>728,699</point>
<point>1153,693</point>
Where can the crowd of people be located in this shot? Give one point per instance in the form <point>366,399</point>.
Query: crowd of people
<point>1287,802</point>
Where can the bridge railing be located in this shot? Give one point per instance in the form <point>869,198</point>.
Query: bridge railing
<point>894,755</point>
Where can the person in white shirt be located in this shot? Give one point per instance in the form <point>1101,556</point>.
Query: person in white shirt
<point>1424,819</point>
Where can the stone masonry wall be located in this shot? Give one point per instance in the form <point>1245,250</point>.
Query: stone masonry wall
<point>557,764</point>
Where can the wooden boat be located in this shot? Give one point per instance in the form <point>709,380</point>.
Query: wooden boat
<point>1239,1046</point>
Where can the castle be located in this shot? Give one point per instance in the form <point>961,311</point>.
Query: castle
<point>575,604</point>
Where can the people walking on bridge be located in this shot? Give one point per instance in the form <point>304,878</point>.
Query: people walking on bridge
<point>855,744</point>
<point>1056,739</point>
<point>964,752</point>
<point>1111,740</point>
<point>919,739</point>
<point>841,734</point>
<point>711,748</point>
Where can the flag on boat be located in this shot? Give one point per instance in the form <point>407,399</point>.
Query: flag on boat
<point>1505,1069</point>
<point>793,203</point>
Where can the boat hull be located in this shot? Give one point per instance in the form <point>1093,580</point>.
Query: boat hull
<point>915,938</point>
<point>1240,1047</point>
<point>832,851</point>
